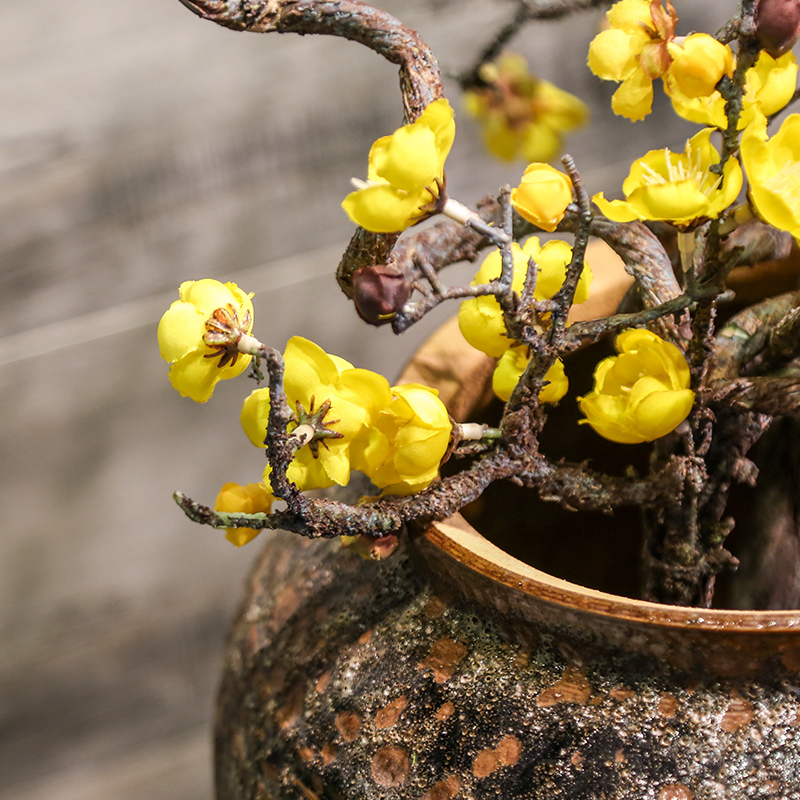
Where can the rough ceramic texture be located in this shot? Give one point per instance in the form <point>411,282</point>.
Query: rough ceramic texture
<point>349,679</point>
<point>455,671</point>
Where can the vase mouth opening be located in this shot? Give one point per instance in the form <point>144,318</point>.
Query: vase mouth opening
<point>461,374</point>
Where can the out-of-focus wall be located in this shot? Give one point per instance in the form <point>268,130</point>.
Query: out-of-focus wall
<point>140,147</point>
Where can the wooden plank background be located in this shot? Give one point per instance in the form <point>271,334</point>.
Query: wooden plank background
<point>141,147</point>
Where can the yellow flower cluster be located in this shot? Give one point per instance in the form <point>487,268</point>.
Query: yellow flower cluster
<point>522,116</point>
<point>397,435</point>
<point>641,394</point>
<point>769,86</point>
<point>481,318</point>
<point>687,189</point>
<point>640,46</point>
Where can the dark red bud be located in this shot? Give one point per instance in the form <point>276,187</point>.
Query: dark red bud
<point>379,293</point>
<point>777,25</point>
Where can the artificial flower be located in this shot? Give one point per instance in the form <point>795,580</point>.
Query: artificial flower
<point>698,64</point>
<point>312,379</point>
<point>542,196</point>
<point>522,116</point>
<point>254,498</point>
<point>406,173</point>
<point>769,86</point>
<point>511,366</point>
<point>634,52</point>
<point>773,170</point>
<point>417,430</point>
<point>641,394</point>
<point>481,318</point>
<point>189,331</point>
<point>676,187</point>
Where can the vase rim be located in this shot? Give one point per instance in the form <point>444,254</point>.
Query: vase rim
<point>459,372</point>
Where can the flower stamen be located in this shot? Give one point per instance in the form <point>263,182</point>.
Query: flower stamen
<point>223,331</point>
<point>316,421</point>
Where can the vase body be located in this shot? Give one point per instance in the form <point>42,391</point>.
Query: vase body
<point>453,670</point>
<point>413,678</point>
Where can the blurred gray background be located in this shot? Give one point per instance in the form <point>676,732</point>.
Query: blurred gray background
<point>140,147</point>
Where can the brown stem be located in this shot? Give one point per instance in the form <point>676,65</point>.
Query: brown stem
<point>420,78</point>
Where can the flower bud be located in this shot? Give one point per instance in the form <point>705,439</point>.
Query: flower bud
<point>777,25</point>
<point>379,293</point>
<point>542,196</point>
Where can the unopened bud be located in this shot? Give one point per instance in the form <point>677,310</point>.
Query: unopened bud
<point>379,293</point>
<point>777,25</point>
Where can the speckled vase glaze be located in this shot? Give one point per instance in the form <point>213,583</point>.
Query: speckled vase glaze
<point>453,670</point>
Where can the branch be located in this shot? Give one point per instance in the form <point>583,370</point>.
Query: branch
<point>777,396</point>
<point>420,78</point>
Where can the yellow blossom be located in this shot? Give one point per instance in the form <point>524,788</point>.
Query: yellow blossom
<point>511,366</point>
<point>698,64</point>
<point>633,52</point>
<point>406,172</point>
<point>773,170</point>
<point>542,196</point>
<point>417,429</point>
<point>254,498</point>
<point>481,318</point>
<point>769,86</point>
<point>312,379</point>
<point>641,394</point>
<point>676,187</point>
<point>186,336</point>
<point>522,116</point>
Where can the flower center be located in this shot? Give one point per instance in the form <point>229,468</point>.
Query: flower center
<point>223,331</point>
<point>683,167</point>
<point>316,421</point>
<point>786,182</point>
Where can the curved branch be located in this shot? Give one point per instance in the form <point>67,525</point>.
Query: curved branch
<point>420,78</point>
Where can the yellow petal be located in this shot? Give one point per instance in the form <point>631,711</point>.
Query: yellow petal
<point>383,209</point>
<point>660,413</point>
<point>612,55</point>
<point>180,331</point>
<point>308,367</point>
<point>255,416</point>
<point>634,98</point>
<point>195,376</point>
<point>407,159</point>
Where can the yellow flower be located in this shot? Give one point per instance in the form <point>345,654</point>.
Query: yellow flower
<point>698,64</point>
<point>312,379</point>
<point>406,173</point>
<point>633,52</point>
<point>542,196</point>
<point>773,170</point>
<point>197,336</point>
<point>417,430</point>
<point>522,116</point>
<point>641,394</point>
<point>676,187</point>
<point>254,498</point>
<point>769,86</point>
<point>481,318</point>
<point>511,366</point>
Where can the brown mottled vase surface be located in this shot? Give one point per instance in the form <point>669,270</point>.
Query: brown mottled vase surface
<point>453,670</point>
